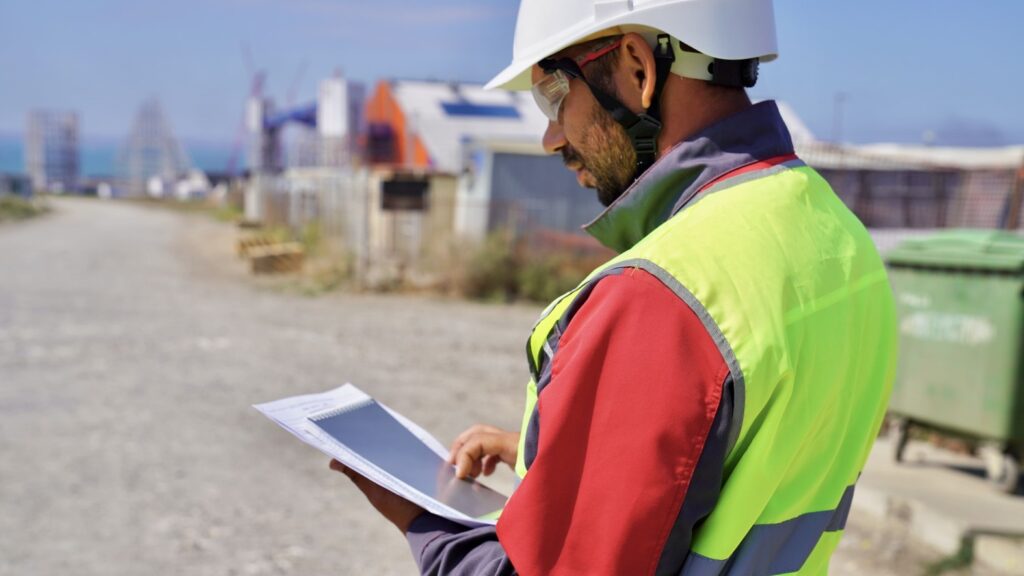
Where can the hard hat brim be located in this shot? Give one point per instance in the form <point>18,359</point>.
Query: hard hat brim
<point>515,77</point>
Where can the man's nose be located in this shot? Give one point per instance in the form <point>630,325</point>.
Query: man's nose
<point>554,138</point>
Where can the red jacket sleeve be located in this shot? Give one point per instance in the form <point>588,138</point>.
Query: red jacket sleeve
<point>636,385</point>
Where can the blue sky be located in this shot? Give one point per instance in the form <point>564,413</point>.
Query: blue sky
<point>952,67</point>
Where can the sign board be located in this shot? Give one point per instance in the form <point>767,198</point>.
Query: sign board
<point>405,193</point>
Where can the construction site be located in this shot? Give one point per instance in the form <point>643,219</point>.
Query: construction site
<point>408,235</point>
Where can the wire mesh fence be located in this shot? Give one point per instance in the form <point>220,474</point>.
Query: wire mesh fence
<point>890,191</point>
<point>888,195</point>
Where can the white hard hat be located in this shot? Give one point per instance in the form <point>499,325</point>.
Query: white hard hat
<point>725,29</point>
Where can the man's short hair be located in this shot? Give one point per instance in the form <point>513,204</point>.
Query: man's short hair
<point>599,72</point>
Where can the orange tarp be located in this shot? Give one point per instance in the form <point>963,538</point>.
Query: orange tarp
<point>383,108</point>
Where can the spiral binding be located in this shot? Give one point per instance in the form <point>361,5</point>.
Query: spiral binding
<point>342,410</point>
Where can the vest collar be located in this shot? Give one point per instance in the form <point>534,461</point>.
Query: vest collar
<point>754,134</point>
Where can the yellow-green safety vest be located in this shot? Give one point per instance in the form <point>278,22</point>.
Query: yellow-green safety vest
<point>790,285</point>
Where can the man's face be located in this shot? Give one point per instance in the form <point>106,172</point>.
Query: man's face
<point>591,142</point>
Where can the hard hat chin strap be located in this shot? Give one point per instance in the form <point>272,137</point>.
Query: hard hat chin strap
<point>643,128</point>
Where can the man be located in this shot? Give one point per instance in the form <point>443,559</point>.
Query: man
<point>703,404</point>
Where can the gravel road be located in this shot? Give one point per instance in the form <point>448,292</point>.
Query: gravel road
<point>131,348</point>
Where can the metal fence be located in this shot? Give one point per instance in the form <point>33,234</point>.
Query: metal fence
<point>887,192</point>
<point>936,198</point>
<point>345,204</point>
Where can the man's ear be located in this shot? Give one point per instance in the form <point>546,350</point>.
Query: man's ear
<point>637,61</point>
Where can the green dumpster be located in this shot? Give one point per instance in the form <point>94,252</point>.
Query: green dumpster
<point>960,298</point>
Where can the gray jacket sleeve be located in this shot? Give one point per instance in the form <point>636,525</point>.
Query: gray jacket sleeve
<point>444,548</point>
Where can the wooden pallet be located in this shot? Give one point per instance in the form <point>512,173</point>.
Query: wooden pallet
<point>277,258</point>
<point>245,245</point>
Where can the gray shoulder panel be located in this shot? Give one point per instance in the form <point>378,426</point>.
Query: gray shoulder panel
<point>704,489</point>
<point>751,176</point>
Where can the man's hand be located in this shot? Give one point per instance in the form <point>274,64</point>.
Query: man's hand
<point>396,509</point>
<point>480,448</point>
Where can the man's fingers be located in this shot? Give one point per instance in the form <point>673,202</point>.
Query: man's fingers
<point>339,467</point>
<point>398,510</point>
<point>466,459</point>
<point>356,478</point>
<point>469,458</point>
<point>490,462</point>
<point>475,430</point>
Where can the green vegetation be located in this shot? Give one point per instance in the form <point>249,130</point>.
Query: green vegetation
<point>500,269</point>
<point>311,238</point>
<point>505,270</point>
<point>191,207</point>
<point>328,276</point>
<point>222,212</point>
<point>17,208</point>
<point>491,270</point>
<point>546,277</point>
<point>227,213</point>
<point>957,561</point>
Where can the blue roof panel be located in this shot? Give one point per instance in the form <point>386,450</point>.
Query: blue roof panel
<point>480,110</point>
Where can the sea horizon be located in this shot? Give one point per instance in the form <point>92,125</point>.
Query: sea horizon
<point>98,155</point>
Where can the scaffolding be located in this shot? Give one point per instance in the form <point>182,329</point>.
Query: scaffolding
<point>151,159</point>
<point>52,150</point>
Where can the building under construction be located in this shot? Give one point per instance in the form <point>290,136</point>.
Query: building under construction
<point>52,150</point>
<point>151,159</point>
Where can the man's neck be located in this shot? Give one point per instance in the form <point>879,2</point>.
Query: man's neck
<point>689,106</point>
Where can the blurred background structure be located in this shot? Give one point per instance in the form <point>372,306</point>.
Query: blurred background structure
<point>441,164</point>
<point>52,150</point>
<point>402,176</point>
<point>151,159</point>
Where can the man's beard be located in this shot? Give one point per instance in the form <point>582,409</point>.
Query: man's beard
<point>605,152</point>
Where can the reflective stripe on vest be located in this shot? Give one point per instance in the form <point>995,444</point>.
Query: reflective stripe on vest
<point>790,287</point>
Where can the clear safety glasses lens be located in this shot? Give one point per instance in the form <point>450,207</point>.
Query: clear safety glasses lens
<point>550,92</point>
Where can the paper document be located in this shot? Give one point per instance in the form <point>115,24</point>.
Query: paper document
<point>386,448</point>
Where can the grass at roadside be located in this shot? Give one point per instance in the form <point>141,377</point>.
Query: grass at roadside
<point>14,208</point>
<point>227,213</point>
<point>224,213</point>
<point>503,269</point>
<point>498,270</point>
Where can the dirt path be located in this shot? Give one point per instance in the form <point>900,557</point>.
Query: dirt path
<point>128,364</point>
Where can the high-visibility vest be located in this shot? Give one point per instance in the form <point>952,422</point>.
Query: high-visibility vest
<point>790,286</point>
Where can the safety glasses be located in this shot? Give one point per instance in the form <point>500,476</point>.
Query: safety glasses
<point>551,90</point>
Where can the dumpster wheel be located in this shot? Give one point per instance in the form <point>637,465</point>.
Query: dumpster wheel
<point>899,435</point>
<point>1002,467</point>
